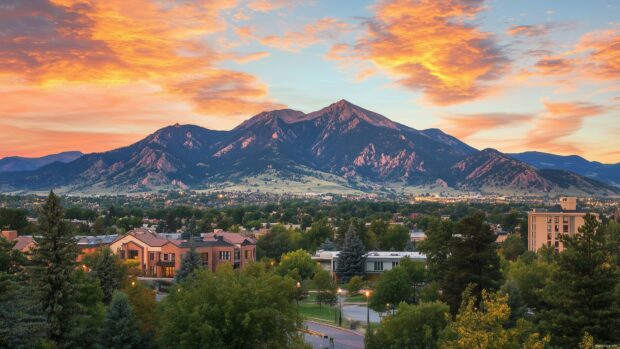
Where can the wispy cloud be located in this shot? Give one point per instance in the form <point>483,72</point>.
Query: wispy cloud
<point>312,33</point>
<point>559,121</point>
<point>528,30</point>
<point>466,125</point>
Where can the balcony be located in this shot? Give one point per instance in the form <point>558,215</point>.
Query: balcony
<point>165,263</point>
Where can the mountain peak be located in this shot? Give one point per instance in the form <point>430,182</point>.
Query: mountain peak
<point>344,111</point>
<point>286,115</point>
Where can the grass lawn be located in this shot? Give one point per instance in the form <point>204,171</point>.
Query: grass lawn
<point>357,298</point>
<point>311,310</point>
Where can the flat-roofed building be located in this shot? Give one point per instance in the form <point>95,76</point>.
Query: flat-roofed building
<point>546,227</point>
<point>376,261</point>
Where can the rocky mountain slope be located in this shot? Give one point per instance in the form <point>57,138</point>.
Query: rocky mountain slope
<point>342,140</point>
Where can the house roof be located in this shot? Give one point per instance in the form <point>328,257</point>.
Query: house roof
<point>205,243</point>
<point>149,237</point>
<point>24,242</point>
<point>233,238</point>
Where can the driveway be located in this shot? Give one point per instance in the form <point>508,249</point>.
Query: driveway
<point>343,339</point>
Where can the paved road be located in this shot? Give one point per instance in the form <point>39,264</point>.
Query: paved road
<point>343,339</point>
<point>358,313</point>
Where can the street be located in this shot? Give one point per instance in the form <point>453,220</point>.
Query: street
<point>343,339</point>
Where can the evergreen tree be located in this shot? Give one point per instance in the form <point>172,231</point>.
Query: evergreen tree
<point>120,329</point>
<point>22,322</point>
<point>580,297</point>
<point>87,311</point>
<point>473,260</point>
<point>191,261</point>
<point>54,266</point>
<point>110,272</point>
<point>352,259</point>
<point>328,245</point>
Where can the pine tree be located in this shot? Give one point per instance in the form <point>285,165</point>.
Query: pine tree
<point>472,259</point>
<point>120,329</point>
<point>191,261</point>
<point>352,258</point>
<point>22,323</point>
<point>328,245</point>
<point>54,266</point>
<point>109,271</point>
<point>581,296</point>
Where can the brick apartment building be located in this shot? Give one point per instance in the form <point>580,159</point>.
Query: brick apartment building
<point>158,256</point>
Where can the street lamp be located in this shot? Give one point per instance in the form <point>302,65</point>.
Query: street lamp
<point>367,294</point>
<point>340,307</point>
<point>298,287</point>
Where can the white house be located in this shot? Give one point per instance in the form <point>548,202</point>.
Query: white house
<point>376,261</point>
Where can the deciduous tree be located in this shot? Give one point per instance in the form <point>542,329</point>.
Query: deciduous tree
<point>413,327</point>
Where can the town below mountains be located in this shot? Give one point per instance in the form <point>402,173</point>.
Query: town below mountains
<point>341,148</point>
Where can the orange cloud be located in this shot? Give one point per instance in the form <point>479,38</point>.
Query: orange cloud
<point>271,5</point>
<point>554,66</point>
<point>559,121</point>
<point>603,49</point>
<point>224,90</point>
<point>293,41</point>
<point>428,45</point>
<point>528,30</point>
<point>465,125</point>
<point>119,42</point>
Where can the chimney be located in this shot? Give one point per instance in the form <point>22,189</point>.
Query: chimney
<point>9,234</point>
<point>568,203</point>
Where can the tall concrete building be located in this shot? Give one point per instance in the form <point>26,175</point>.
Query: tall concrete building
<point>546,227</point>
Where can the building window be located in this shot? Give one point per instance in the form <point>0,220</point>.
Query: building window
<point>378,266</point>
<point>122,254</point>
<point>565,219</point>
<point>152,270</point>
<point>133,254</point>
<point>224,255</point>
<point>168,257</point>
<point>237,255</point>
<point>167,272</point>
<point>152,256</point>
<point>556,219</point>
<point>204,257</point>
<point>565,228</point>
<point>248,254</point>
<point>394,264</point>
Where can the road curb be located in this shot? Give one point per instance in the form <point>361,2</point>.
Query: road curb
<point>336,327</point>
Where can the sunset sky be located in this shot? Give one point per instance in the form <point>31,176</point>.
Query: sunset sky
<point>511,75</point>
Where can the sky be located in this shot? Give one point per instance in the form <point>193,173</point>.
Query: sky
<point>511,75</point>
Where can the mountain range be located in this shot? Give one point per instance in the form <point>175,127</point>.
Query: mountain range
<point>18,163</point>
<point>341,145</point>
<point>608,173</point>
